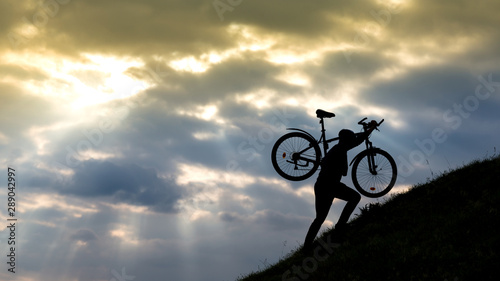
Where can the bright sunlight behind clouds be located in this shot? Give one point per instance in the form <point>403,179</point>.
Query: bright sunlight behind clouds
<point>140,131</point>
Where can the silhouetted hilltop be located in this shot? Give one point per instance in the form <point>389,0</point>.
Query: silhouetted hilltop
<point>446,229</point>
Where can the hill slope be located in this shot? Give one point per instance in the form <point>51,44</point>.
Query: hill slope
<point>446,229</point>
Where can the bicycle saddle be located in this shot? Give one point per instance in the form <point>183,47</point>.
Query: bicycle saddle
<point>324,114</point>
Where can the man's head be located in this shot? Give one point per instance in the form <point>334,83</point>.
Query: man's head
<point>346,136</point>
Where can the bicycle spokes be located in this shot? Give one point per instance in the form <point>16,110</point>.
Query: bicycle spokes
<point>374,173</point>
<point>296,156</point>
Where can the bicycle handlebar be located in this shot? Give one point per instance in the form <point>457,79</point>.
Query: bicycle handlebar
<point>361,122</point>
<point>366,124</point>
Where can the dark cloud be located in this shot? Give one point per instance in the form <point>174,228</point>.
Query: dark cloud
<point>269,219</point>
<point>131,27</point>
<point>240,75</point>
<point>234,76</point>
<point>164,27</point>
<point>128,183</point>
<point>306,20</point>
<point>83,235</point>
<point>338,66</point>
<point>430,87</point>
<point>278,220</point>
<point>229,217</point>
<point>444,18</point>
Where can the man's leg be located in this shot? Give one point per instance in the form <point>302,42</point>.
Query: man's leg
<point>323,202</point>
<point>352,197</point>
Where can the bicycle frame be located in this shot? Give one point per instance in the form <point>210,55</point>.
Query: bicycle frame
<point>369,147</point>
<point>322,139</point>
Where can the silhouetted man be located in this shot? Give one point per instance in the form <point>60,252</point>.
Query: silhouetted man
<point>328,185</point>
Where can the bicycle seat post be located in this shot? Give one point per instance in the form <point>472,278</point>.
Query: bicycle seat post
<point>323,136</point>
<point>322,122</point>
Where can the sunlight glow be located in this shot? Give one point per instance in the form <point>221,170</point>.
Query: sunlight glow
<point>210,188</point>
<point>260,98</point>
<point>96,155</point>
<point>44,201</point>
<point>94,79</point>
<point>211,177</point>
<point>249,38</point>
<point>199,214</point>
<point>294,78</point>
<point>26,30</point>
<point>204,135</point>
<point>305,191</point>
<point>116,85</point>
<point>36,134</point>
<point>208,112</point>
<point>123,207</point>
<point>204,112</point>
<point>389,73</point>
<point>390,116</point>
<point>126,234</point>
<point>190,64</point>
<point>3,139</point>
<point>279,56</point>
<point>393,5</point>
<point>291,102</point>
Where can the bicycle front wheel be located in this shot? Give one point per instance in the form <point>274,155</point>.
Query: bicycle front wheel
<point>296,156</point>
<point>380,179</point>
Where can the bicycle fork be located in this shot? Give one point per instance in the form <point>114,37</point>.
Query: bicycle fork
<point>371,162</point>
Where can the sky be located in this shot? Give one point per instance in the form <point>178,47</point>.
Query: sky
<point>140,132</point>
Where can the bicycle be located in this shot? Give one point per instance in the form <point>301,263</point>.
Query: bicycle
<point>297,155</point>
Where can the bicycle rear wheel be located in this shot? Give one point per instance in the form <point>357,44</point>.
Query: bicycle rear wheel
<point>375,183</point>
<point>296,156</point>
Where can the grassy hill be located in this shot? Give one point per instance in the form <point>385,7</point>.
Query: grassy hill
<point>446,229</point>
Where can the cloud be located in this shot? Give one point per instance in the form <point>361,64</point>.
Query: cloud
<point>129,184</point>
<point>131,27</point>
<point>269,218</point>
<point>229,217</point>
<point>27,109</point>
<point>278,220</point>
<point>84,235</point>
<point>431,87</point>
